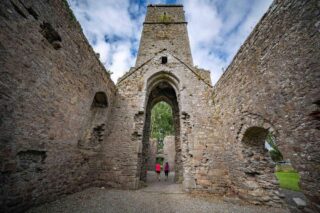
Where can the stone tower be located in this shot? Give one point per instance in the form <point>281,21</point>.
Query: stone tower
<point>165,27</point>
<point>164,71</point>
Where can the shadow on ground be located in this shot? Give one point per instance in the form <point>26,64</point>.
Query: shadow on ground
<point>158,196</point>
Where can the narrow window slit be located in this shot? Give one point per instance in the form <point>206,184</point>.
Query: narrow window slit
<point>164,59</point>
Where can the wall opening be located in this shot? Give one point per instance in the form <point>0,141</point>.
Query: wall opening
<point>95,130</point>
<point>265,167</point>
<point>51,35</point>
<point>162,91</point>
<point>254,151</point>
<point>164,59</point>
<point>100,100</point>
<point>162,127</point>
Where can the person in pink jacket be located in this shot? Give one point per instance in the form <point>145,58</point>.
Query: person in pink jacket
<point>158,170</point>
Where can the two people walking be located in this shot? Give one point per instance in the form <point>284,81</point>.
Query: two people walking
<point>166,170</point>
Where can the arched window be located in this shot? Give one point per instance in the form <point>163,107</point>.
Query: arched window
<point>257,157</point>
<point>100,100</point>
<point>255,136</point>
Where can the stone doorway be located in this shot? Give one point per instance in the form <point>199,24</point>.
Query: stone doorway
<point>263,162</point>
<point>161,90</point>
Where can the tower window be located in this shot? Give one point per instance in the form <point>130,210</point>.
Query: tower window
<point>164,59</point>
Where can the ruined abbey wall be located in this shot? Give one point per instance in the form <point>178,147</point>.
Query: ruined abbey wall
<point>169,151</point>
<point>186,88</point>
<point>51,126</point>
<point>65,126</point>
<point>122,165</point>
<point>273,83</point>
<point>152,154</point>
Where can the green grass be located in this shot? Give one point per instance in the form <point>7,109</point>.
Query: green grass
<point>289,180</point>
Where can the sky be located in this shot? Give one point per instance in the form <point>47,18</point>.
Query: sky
<point>217,29</point>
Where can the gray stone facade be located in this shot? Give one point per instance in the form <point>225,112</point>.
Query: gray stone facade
<point>152,154</point>
<point>51,122</point>
<point>178,83</point>
<point>66,126</point>
<point>169,151</point>
<point>164,28</point>
<point>272,85</point>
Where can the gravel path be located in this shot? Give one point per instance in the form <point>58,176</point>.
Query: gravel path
<point>163,196</point>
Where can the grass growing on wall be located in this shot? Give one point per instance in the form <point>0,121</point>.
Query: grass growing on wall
<point>289,180</point>
<point>165,18</point>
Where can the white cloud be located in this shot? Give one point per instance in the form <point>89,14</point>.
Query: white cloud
<point>217,28</point>
<point>121,59</point>
<point>111,31</point>
<point>203,28</point>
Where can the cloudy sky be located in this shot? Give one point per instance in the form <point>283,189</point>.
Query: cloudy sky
<point>217,28</point>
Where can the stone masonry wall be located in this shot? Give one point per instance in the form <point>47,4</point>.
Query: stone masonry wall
<point>272,84</point>
<point>51,126</point>
<point>125,141</point>
<point>164,33</point>
<point>64,125</point>
<point>190,95</point>
<point>152,155</point>
<point>169,151</point>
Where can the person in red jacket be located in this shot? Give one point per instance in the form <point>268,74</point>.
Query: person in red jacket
<point>158,170</point>
<point>166,170</point>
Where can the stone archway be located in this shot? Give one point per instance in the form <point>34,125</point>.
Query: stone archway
<point>161,87</point>
<point>259,183</point>
<point>254,176</point>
